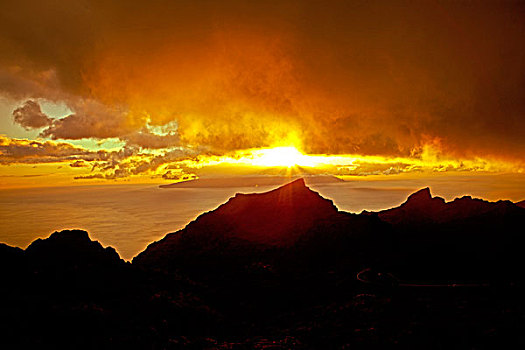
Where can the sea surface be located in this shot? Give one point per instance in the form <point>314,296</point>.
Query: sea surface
<point>129,217</point>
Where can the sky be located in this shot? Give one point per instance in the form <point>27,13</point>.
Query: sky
<point>134,91</point>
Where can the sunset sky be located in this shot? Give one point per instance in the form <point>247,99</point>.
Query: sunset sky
<point>161,91</point>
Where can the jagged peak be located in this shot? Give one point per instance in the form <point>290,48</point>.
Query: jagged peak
<point>296,190</point>
<point>294,187</point>
<point>298,182</point>
<point>80,235</point>
<point>466,197</point>
<point>422,199</point>
<point>276,217</point>
<point>295,184</point>
<point>420,195</point>
<point>70,243</point>
<point>479,201</point>
<point>72,237</point>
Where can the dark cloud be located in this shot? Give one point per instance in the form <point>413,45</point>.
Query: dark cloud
<point>143,163</point>
<point>371,77</point>
<point>14,151</point>
<point>30,116</point>
<point>104,165</point>
<point>93,176</point>
<point>78,164</point>
<point>90,120</point>
<point>18,83</point>
<point>147,139</point>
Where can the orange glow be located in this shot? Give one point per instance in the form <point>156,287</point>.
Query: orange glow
<point>281,156</point>
<point>172,91</point>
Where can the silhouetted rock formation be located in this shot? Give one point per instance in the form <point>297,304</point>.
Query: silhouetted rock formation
<point>278,269</point>
<point>71,248</point>
<point>292,218</point>
<point>277,218</point>
<point>521,204</point>
<point>10,256</point>
<point>421,208</point>
<point>12,264</point>
<point>68,251</point>
<point>466,238</point>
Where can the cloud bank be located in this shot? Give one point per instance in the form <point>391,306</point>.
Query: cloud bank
<point>338,77</point>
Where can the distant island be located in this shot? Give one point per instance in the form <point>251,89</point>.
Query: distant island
<point>250,181</point>
<point>284,269</point>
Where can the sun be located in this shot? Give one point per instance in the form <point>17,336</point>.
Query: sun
<point>281,157</point>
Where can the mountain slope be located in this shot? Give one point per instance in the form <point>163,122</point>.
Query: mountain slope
<point>71,248</point>
<point>278,270</point>
<point>464,239</point>
<point>292,216</point>
<point>422,209</point>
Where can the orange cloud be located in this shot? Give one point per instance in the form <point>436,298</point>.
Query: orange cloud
<point>385,78</point>
<point>28,151</point>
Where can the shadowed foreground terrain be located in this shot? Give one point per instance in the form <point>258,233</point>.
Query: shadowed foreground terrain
<point>281,270</point>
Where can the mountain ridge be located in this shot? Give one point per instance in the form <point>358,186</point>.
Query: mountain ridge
<point>277,218</point>
<point>278,269</point>
<point>421,208</point>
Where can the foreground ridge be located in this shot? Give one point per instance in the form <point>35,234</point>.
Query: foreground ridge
<point>421,208</point>
<point>284,269</point>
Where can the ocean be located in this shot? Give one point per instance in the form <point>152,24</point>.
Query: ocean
<point>129,217</point>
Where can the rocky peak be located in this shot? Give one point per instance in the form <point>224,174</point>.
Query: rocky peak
<point>277,218</point>
<point>423,198</point>
<point>422,208</point>
<point>421,195</point>
<point>272,217</point>
<point>71,246</point>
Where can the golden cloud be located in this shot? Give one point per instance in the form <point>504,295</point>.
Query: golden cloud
<point>387,78</point>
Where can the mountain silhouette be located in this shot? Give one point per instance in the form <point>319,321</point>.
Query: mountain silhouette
<point>12,263</point>
<point>294,222</point>
<point>9,254</point>
<point>521,204</point>
<point>65,250</point>
<point>464,239</point>
<point>290,217</point>
<point>276,217</point>
<point>71,248</point>
<point>421,208</point>
<point>283,269</point>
